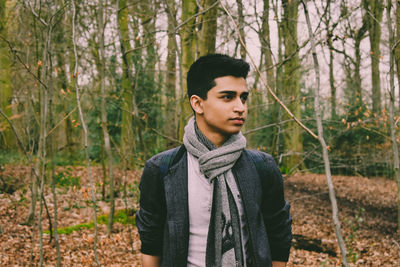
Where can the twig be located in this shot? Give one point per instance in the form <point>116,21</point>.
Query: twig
<point>37,16</point>
<point>23,64</point>
<point>63,119</point>
<point>290,173</point>
<point>196,15</point>
<point>15,133</point>
<point>309,195</point>
<point>165,136</point>
<point>266,126</point>
<point>397,243</point>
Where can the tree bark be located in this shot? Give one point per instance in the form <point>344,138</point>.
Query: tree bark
<point>397,47</point>
<point>278,82</point>
<point>188,39</point>
<point>127,137</point>
<point>374,18</point>
<point>392,112</point>
<point>241,23</point>
<point>208,31</point>
<point>354,83</point>
<point>151,114</point>
<point>169,102</point>
<point>329,30</point>
<point>291,84</point>
<point>265,41</point>
<point>104,121</point>
<point>7,141</point>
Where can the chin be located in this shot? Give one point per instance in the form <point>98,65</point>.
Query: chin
<point>233,131</point>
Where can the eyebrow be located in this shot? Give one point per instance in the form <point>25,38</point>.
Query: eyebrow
<point>233,93</point>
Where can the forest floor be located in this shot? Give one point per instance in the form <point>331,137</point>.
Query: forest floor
<point>367,210</point>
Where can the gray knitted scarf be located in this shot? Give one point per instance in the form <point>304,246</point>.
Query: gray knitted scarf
<point>224,246</point>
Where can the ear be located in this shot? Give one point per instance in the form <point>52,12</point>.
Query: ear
<point>197,104</point>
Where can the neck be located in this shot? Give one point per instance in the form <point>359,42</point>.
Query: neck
<point>217,138</point>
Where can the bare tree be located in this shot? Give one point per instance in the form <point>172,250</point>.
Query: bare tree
<point>321,139</point>
<point>85,131</point>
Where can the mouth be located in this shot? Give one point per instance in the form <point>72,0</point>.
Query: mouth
<point>238,120</point>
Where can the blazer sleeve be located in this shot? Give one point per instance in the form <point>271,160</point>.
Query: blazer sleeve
<point>150,218</point>
<point>275,210</point>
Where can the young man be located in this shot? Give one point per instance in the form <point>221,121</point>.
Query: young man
<point>212,202</point>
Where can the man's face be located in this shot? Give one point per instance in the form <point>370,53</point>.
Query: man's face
<point>224,111</point>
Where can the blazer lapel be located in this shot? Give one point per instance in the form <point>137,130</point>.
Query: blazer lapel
<point>249,186</point>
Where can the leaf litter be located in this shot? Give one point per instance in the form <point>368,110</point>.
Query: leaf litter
<point>367,209</point>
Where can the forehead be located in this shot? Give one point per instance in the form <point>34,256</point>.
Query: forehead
<point>230,83</point>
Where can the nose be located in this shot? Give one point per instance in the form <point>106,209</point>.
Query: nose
<point>240,106</point>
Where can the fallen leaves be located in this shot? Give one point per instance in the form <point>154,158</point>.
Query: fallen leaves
<point>373,243</point>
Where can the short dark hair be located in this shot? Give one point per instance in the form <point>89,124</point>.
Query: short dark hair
<point>201,75</point>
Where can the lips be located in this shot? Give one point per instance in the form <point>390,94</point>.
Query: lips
<point>238,120</point>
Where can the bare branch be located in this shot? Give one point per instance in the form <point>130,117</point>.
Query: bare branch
<point>23,64</point>
<point>262,78</point>
<point>37,16</point>
<point>196,15</point>
<point>63,119</point>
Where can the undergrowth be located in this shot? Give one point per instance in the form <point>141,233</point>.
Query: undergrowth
<point>120,216</point>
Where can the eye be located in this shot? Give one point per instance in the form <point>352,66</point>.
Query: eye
<point>244,98</point>
<point>228,97</point>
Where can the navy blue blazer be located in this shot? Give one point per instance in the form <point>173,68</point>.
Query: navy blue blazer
<point>163,217</point>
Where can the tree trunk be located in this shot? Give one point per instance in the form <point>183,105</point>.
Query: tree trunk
<point>278,82</point>
<point>85,132</point>
<point>170,95</point>
<point>291,84</point>
<point>241,23</point>
<point>329,41</point>
<point>273,106</point>
<point>208,31</point>
<point>62,83</point>
<point>265,41</point>
<point>51,157</point>
<point>151,115</point>
<point>188,40</point>
<point>374,18</point>
<point>392,113</point>
<point>321,139</point>
<point>7,140</point>
<point>127,138</point>
<point>354,85</point>
<point>137,81</point>
<point>42,155</point>
<point>397,46</point>
<point>104,122</point>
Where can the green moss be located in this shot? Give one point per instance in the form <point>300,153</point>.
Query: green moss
<point>120,216</point>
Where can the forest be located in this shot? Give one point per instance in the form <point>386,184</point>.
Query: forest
<point>90,90</point>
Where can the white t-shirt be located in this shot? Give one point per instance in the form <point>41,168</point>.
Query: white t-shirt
<point>200,193</point>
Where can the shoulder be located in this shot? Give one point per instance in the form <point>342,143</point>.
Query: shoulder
<point>265,165</point>
<point>260,155</point>
<point>157,160</point>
